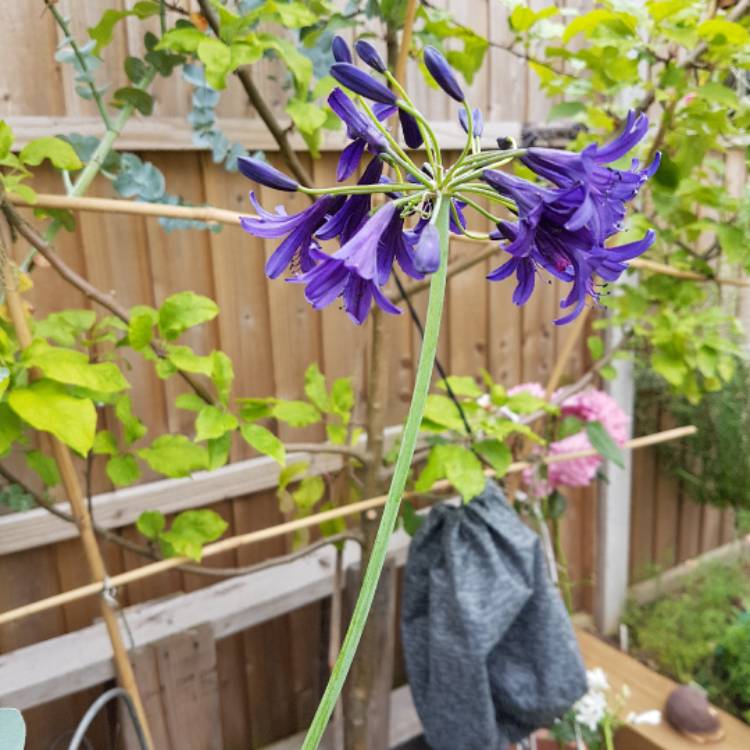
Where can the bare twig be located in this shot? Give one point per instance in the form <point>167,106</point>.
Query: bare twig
<point>261,107</point>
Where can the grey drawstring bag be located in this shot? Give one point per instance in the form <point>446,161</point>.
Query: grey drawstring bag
<point>490,651</point>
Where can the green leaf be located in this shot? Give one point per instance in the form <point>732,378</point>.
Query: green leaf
<point>410,519</point>
<point>556,505</point>
<point>59,152</point>
<point>222,375</point>
<point>184,358</point>
<point>73,367</point>
<point>458,464</point>
<point>141,330</point>
<point>264,441</point>
<point>719,94</point>
<point>252,409</point>
<point>189,402</point>
<point>336,433</point>
<point>523,18</point>
<point>218,450</point>
<point>309,492</point>
<point>244,53</point>
<point>191,529</point>
<point>524,402</point>
<point>183,39</point>
<point>175,456</point>
<point>603,443</point>
<point>291,473</point>
<point>442,412</point>
<point>569,426</point>
<point>135,69</point>
<point>213,423</point>
<point>721,30</point>
<point>217,58</point>
<point>295,413</point>
<point>596,346</point>
<point>608,372</point>
<point>44,466</point>
<point>185,310</point>
<point>566,110</point>
<point>461,385</point>
<point>151,523</point>
<point>497,455</point>
<point>48,407</point>
<point>11,428</point>
<point>734,243</point>
<point>65,327</point>
<point>342,398</point>
<point>104,443</point>
<point>137,98</point>
<point>671,367</point>
<point>307,116</point>
<point>315,387</point>
<point>102,32</point>
<point>122,469</point>
<point>134,428</point>
<point>6,139</point>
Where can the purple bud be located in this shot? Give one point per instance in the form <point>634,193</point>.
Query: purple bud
<point>340,49</point>
<point>477,121</point>
<point>427,250</point>
<point>264,174</point>
<point>370,56</point>
<point>442,73</point>
<point>410,129</point>
<point>504,143</point>
<point>356,80</point>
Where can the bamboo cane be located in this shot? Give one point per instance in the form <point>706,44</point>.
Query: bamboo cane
<point>80,511</point>
<point>254,537</point>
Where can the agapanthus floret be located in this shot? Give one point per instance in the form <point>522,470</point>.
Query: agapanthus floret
<point>370,56</point>
<point>361,83</point>
<point>477,121</point>
<point>294,252</point>
<point>340,50</point>
<point>443,74</point>
<point>545,236</point>
<point>264,174</point>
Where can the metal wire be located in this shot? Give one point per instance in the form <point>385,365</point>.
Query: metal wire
<point>96,706</point>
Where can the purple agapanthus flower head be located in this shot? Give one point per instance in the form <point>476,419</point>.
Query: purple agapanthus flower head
<point>563,227</point>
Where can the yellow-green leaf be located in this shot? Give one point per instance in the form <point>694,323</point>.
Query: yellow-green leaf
<point>59,152</point>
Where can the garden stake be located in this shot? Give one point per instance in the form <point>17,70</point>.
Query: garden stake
<point>80,511</point>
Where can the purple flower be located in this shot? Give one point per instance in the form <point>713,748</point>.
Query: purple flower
<point>353,272</point>
<point>410,129</point>
<point>477,121</point>
<point>370,56</point>
<point>545,236</point>
<point>442,73</point>
<point>427,250</point>
<point>294,252</point>
<point>264,174</point>
<point>606,189</point>
<point>356,80</point>
<point>340,50</point>
<point>360,128</point>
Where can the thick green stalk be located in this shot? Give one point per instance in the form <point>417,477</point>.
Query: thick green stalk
<point>395,492</point>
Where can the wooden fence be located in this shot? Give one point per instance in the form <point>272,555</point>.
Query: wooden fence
<point>269,676</point>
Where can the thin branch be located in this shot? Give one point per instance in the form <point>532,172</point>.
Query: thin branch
<point>692,59</point>
<point>96,96</point>
<point>261,107</point>
<point>152,554</point>
<point>107,301</point>
<point>344,450</point>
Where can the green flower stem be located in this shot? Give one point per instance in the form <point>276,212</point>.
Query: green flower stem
<point>491,195</point>
<point>396,490</point>
<point>350,189</point>
<point>494,219</point>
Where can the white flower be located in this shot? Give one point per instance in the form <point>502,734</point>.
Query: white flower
<point>597,680</point>
<point>485,401</point>
<point>650,718</point>
<point>591,709</point>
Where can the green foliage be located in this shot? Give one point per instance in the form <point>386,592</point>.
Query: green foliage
<point>714,464</point>
<point>710,615</point>
<point>186,536</point>
<point>594,61</point>
<point>493,418</point>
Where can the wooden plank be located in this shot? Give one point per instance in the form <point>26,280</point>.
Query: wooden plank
<point>42,672</point>
<point>36,528</point>
<point>404,724</point>
<point>185,704</point>
<point>649,690</point>
<point>160,133</point>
